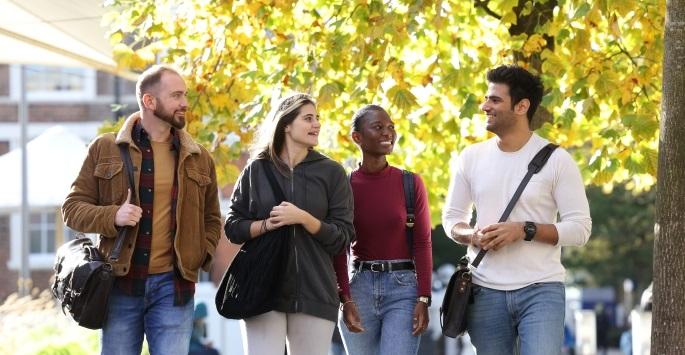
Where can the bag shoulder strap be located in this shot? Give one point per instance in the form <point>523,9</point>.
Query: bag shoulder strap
<point>409,200</point>
<point>278,192</point>
<point>534,167</point>
<point>128,169</point>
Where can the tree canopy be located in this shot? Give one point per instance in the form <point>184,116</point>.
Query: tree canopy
<point>424,61</point>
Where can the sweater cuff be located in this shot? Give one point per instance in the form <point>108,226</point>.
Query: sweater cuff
<point>243,229</point>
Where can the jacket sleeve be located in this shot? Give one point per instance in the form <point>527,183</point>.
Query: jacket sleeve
<point>237,226</point>
<point>212,215</point>
<point>80,209</point>
<point>337,230</point>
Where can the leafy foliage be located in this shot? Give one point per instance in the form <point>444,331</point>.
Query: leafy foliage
<point>424,61</point>
<point>623,227</point>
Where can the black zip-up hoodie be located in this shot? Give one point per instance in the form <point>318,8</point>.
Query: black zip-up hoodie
<point>319,186</point>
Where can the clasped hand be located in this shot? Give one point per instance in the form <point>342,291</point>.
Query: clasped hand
<point>285,214</point>
<point>498,235</point>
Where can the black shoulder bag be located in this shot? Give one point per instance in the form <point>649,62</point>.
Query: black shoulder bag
<point>84,277</point>
<point>458,293</point>
<point>251,283</point>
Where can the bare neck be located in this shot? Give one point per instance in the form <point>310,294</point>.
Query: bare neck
<point>513,141</point>
<point>293,154</point>
<point>158,130</point>
<point>373,164</point>
<point>516,136</point>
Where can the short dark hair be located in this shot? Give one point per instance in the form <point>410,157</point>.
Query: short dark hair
<point>522,85</point>
<point>361,114</point>
<point>150,78</point>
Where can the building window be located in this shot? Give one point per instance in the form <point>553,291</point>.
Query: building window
<point>42,232</point>
<point>41,78</point>
<point>49,83</point>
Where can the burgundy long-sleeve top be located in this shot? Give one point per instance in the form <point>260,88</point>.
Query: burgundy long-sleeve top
<point>379,220</point>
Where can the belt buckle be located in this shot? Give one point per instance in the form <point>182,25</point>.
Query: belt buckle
<point>381,267</point>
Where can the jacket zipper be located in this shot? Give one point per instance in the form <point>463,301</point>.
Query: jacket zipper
<point>297,265</point>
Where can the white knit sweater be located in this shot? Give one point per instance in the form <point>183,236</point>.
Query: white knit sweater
<point>485,177</point>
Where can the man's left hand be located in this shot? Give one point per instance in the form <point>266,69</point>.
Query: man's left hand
<point>498,235</point>
<point>420,323</point>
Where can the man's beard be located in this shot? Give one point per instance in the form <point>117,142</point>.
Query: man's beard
<point>177,122</point>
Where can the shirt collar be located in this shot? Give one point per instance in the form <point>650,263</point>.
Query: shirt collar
<point>140,135</point>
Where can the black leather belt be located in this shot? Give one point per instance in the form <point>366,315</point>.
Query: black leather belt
<point>383,266</point>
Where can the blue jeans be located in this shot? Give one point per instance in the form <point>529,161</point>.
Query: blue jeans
<point>167,328</point>
<point>385,301</point>
<point>533,314</point>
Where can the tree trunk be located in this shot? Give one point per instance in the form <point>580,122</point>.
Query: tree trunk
<point>542,12</point>
<point>668,318</point>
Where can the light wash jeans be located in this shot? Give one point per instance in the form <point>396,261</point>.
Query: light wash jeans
<point>385,301</point>
<point>533,314</point>
<point>166,327</point>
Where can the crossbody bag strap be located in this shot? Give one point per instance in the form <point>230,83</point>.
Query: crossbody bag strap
<point>409,200</point>
<point>534,167</point>
<point>278,192</point>
<point>128,169</point>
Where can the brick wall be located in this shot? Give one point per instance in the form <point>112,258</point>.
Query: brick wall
<point>4,80</point>
<point>8,278</point>
<point>41,279</point>
<point>8,113</point>
<point>4,147</point>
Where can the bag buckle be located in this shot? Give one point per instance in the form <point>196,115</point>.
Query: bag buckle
<point>377,267</point>
<point>410,220</point>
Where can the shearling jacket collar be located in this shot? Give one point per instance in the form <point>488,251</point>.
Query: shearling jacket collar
<point>125,135</point>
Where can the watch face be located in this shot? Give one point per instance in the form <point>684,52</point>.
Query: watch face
<point>530,229</point>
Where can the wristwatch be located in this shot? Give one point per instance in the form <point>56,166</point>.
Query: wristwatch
<point>424,299</point>
<point>530,229</point>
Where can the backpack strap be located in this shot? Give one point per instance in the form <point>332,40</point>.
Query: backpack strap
<point>534,167</point>
<point>409,200</point>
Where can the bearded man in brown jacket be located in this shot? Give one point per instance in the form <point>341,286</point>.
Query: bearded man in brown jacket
<point>174,217</point>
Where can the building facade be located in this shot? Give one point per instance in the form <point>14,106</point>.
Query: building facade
<point>81,100</point>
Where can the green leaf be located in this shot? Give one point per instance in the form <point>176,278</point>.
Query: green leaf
<point>470,107</point>
<point>582,10</point>
<point>641,126</point>
<point>402,98</point>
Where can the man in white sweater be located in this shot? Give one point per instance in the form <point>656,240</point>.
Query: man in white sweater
<point>518,287</point>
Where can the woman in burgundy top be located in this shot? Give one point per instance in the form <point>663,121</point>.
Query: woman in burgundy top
<point>385,304</point>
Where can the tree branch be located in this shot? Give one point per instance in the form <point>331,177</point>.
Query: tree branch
<point>483,4</point>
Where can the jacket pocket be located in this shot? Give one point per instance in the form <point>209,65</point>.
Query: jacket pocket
<point>110,182</point>
<point>196,185</point>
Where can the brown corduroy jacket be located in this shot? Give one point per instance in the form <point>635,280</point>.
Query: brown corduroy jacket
<point>101,188</point>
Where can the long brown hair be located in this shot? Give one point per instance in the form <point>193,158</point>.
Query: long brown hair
<point>271,136</point>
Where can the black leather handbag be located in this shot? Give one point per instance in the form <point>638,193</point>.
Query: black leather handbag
<point>83,276</point>
<point>458,292</point>
<point>252,282</point>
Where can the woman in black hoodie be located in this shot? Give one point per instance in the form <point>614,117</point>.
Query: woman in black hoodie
<point>318,214</point>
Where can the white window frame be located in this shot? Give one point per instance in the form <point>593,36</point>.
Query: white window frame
<point>88,93</point>
<point>37,261</point>
<point>44,226</point>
